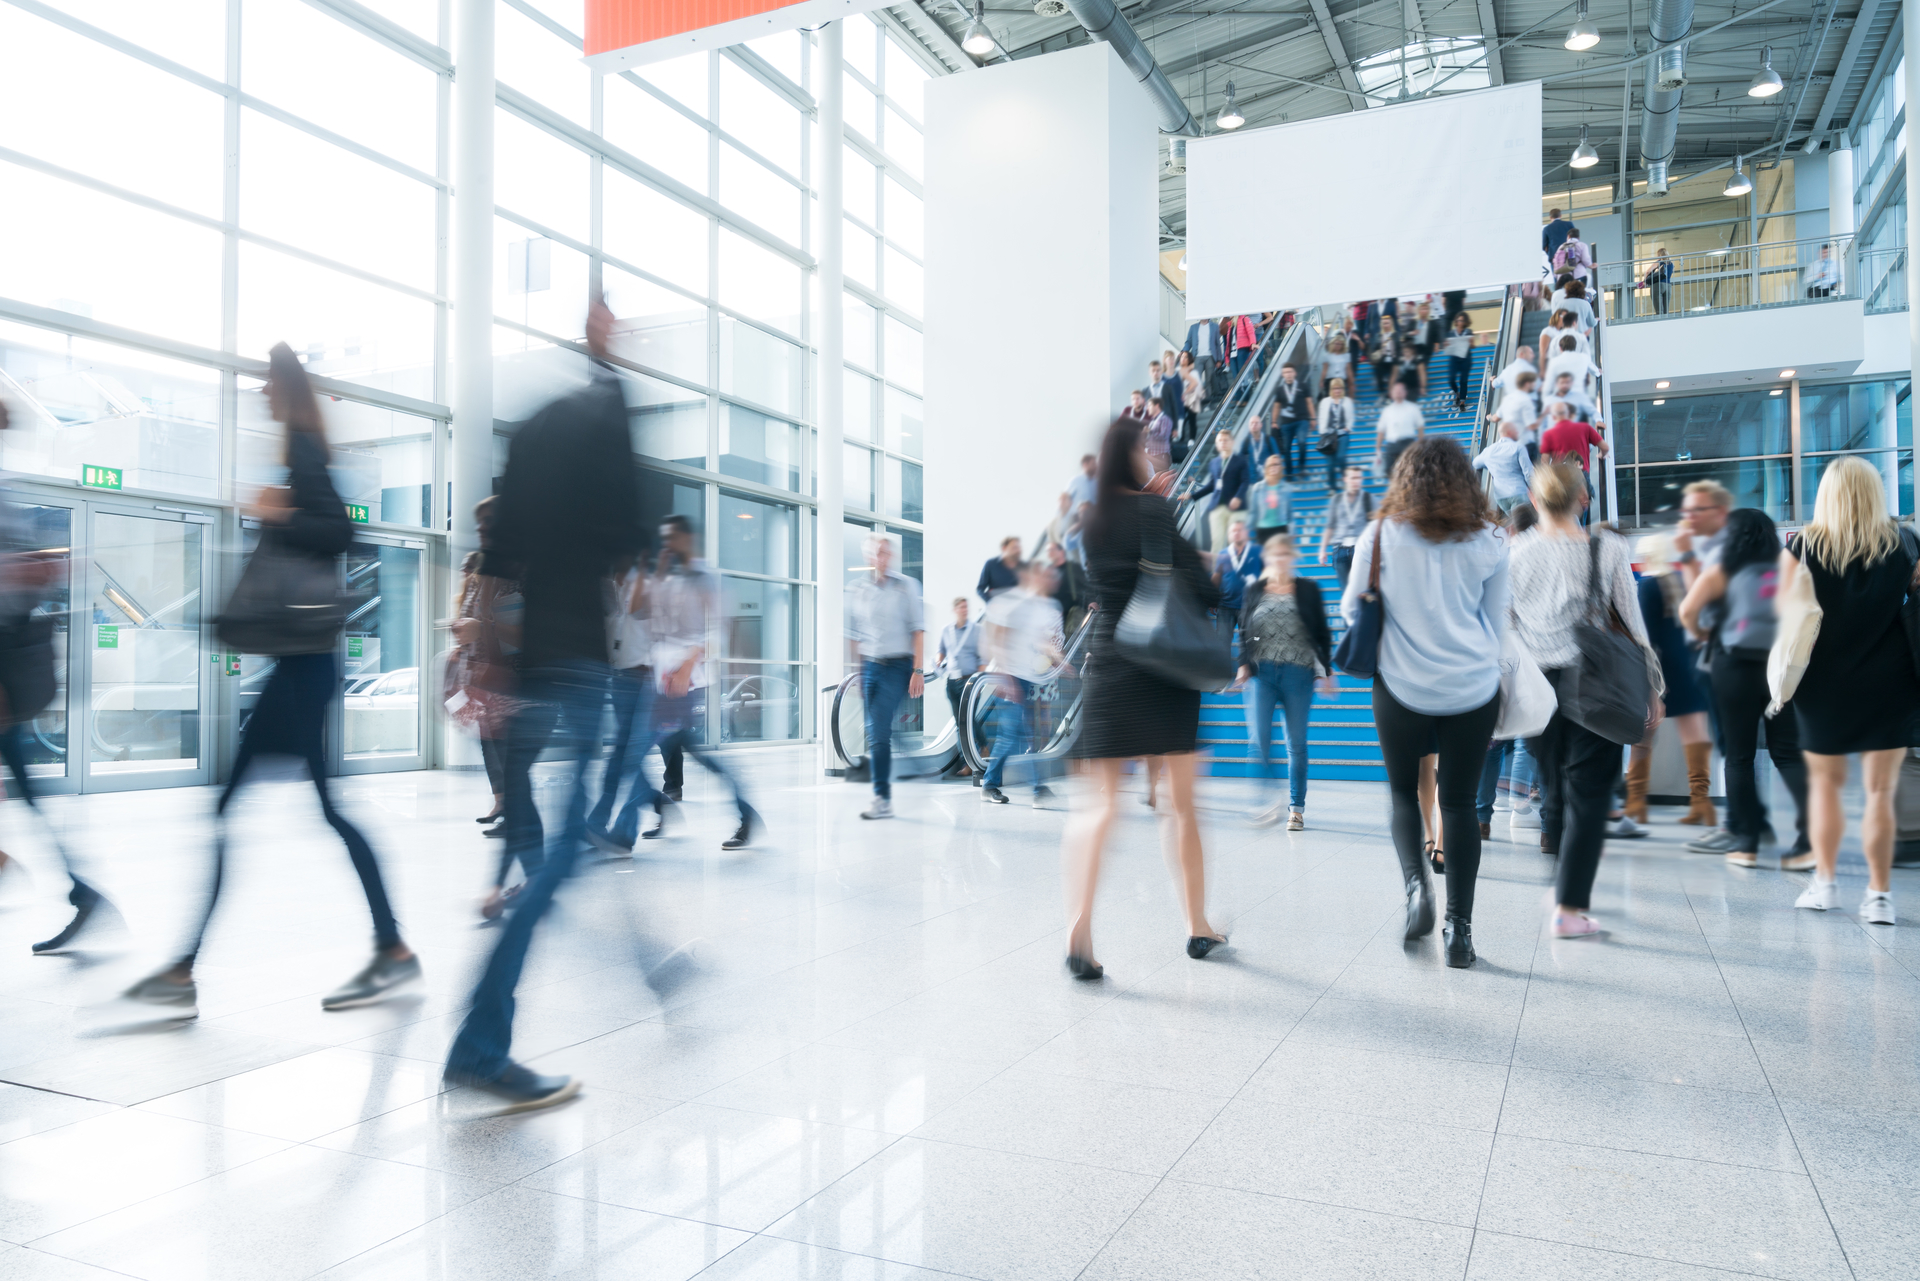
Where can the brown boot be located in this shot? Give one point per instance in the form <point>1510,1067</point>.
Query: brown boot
<point>1639,771</point>
<point>1700,813</point>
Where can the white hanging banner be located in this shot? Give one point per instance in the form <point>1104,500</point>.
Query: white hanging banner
<point>1441,193</point>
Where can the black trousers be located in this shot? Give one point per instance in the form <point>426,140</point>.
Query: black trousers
<point>1740,696</point>
<point>1405,737</point>
<point>1577,773</point>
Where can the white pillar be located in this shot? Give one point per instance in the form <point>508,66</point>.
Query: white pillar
<point>471,460</point>
<point>1840,194</point>
<point>829,290</point>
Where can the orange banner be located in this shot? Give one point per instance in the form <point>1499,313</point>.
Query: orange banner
<point>627,33</point>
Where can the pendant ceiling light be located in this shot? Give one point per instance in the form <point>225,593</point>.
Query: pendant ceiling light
<point>978,41</point>
<point>1230,117</point>
<point>1583,35</point>
<point>1739,184</point>
<point>1766,81</point>
<point>1584,156</point>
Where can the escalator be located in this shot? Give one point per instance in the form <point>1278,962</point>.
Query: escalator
<point>920,754</point>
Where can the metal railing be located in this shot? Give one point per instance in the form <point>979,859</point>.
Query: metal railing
<point>1250,397</point>
<point>1882,273</point>
<point>1772,273</point>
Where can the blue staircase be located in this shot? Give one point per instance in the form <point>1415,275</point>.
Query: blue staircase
<point>1341,739</point>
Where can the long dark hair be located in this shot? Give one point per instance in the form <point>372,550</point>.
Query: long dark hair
<point>1113,475</point>
<point>287,378</point>
<point>1433,489</point>
<point>1751,539</point>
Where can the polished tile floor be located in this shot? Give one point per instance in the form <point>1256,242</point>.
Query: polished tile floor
<point>852,1052</point>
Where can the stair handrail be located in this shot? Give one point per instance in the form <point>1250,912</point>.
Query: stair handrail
<point>1285,346</point>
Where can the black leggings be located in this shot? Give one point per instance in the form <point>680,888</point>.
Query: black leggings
<point>13,750</point>
<point>493,754</point>
<point>1740,696</point>
<point>1405,737</point>
<point>1577,773</point>
<point>288,721</point>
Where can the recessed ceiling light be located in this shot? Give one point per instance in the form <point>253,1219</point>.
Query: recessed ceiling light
<point>1659,402</point>
<point>1776,391</point>
<point>1661,386</point>
<point>1786,373</point>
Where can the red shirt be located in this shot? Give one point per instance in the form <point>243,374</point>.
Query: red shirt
<point>1569,438</point>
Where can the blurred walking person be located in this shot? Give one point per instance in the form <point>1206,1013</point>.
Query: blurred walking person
<point>630,689</point>
<point>1286,651</point>
<point>568,517</point>
<point>1225,487</point>
<point>887,628</point>
<point>1127,711</point>
<point>1730,609</point>
<point>1459,349</point>
<point>1347,515</point>
<point>958,657</point>
<point>1859,694</point>
<point>1443,582</point>
<point>1334,429</point>
<point>1557,570</point>
<point>1025,642</point>
<point>1687,695</point>
<point>303,532</point>
<point>28,684</point>
<point>1400,424</point>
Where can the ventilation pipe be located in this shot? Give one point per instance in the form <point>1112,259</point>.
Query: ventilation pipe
<point>1670,23</point>
<point>1103,22</point>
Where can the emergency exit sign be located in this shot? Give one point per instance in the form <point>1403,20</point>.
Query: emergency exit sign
<point>94,476</point>
<point>356,512</point>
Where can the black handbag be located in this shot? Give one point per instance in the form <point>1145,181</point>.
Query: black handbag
<point>1910,608</point>
<point>1359,652</point>
<point>285,603</point>
<point>1168,632</point>
<point>27,674</point>
<point>1607,691</point>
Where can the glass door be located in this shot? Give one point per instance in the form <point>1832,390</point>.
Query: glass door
<point>47,531</point>
<point>145,657</point>
<point>385,674</point>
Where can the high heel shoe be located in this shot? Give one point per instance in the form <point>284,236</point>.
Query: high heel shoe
<point>1201,944</point>
<point>86,901</point>
<point>1419,907</point>
<point>1459,940</point>
<point>1081,968</point>
<point>1436,859</point>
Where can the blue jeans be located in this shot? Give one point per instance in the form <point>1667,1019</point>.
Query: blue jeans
<point>1293,445</point>
<point>1458,369</point>
<point>1237,363</point>
<point>631,689</point>
<point>1337,463</point>
<point>1015,728</point>
<point>672,731</point>
<point>883,687</point>
<point>1503,758</point>
<point>1290,685</point>
<point>575,690</point>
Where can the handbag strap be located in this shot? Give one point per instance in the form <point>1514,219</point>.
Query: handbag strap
<point>1373,570</point>
<point>1593,575</point>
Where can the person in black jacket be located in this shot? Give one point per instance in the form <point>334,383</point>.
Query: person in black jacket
<point>1127,710</point>
<point>1284,644</point>
<point>1228,475</point>
<point>304,517</point>
<point>1002,572</point>
<point>569,514</point>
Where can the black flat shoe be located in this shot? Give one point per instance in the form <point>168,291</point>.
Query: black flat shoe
<point>743,833</point>
<point>1199,946</point>
<point>1419,907</point>
<point>86,901</point>
<point>491,818</point>
<point>1081,968</point>
<point>1459,940</point>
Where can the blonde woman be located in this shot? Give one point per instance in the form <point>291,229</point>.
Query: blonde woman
<point>1336,364</point>
<point>1859,694</point>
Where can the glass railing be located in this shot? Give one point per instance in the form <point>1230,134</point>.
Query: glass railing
<point>1732,278</point>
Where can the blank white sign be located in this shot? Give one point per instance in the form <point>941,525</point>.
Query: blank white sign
<point>1438,194</point>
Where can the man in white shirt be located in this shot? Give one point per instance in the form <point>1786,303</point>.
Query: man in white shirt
<point>1401,423</point>
<point>1704,507</point>
<point>959,657</point>
<point>886,625</point>
<point>1522,363</point>
<point>1083,488</point>
<point>1517,407</point>
<point>1823,278</point>
<point>1025,641</point>
<point>1506,463</point>
<point>1564,392</point>
<point>1569,359</point>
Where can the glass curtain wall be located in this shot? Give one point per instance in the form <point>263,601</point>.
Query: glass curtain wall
<point>1757,442</point>
<point>286,178</point>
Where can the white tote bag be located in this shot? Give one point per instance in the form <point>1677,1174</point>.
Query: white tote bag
<point>1527,700</point>
<point>1800,618</point>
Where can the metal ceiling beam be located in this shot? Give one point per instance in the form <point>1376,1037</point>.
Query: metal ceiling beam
<point>1323,18</point>
<point>1862,25</point>
<point>1490,31</point>
<point>1272,33</point>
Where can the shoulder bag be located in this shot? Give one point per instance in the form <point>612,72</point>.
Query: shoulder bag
<point>1607,689</point>
<point>1527,700</point>
<point>1800,618</point>
<point>285,603</point>
<point>1166,630</point>
<point>1359,652</point>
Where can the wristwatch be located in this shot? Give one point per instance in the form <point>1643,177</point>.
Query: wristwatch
<point>1685,558</point>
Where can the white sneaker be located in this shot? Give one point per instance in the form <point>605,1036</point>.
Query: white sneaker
<point>1266,815</point>
<point>881,808</point>
<point>1526,817</point>
<point>1821,896</point>
<point>1877,908</point>
<point>1624,828</point>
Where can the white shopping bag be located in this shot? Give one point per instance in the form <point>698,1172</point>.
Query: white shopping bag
<point>1527,700</point>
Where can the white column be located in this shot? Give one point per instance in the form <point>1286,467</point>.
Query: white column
<point>1840,193</point>
<point>829,290</point>
<point>471,460</point>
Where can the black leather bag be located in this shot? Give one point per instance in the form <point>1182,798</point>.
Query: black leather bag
<point>285,603</point>
<point>1607,691</point>
<point>1910,608</point>
<point>1359,652</point>
<point>1168,632</point>
<point>27,675</point>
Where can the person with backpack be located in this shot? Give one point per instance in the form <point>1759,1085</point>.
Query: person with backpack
<point>1730,610</point>
<point>1554,234</point>
<point>1573,257</point>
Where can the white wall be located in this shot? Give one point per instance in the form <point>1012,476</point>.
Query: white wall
<point>1042,292</point>
<point>1732,349</point>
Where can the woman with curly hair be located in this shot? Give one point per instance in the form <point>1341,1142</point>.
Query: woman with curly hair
<point>1443,584</point>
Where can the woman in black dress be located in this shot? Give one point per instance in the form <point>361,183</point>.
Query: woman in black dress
<point>1129,712</point>
<point>1859,693</point>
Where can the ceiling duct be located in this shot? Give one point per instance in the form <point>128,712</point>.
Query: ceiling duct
<point>1103,22</point>
<point>1670,23</point>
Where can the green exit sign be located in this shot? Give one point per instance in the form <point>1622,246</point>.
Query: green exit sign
<point>356,512</point>
<point>356,647</point>
<point>96,477</point>
<point>106,636</point>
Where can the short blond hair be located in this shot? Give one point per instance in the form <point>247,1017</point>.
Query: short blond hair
<point>1284,540</point>
<point>1720,494</point>
<point>1558,488</point>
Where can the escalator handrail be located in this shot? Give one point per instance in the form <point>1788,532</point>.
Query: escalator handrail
<point>1288,346</point>
<point>1243,394</point>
